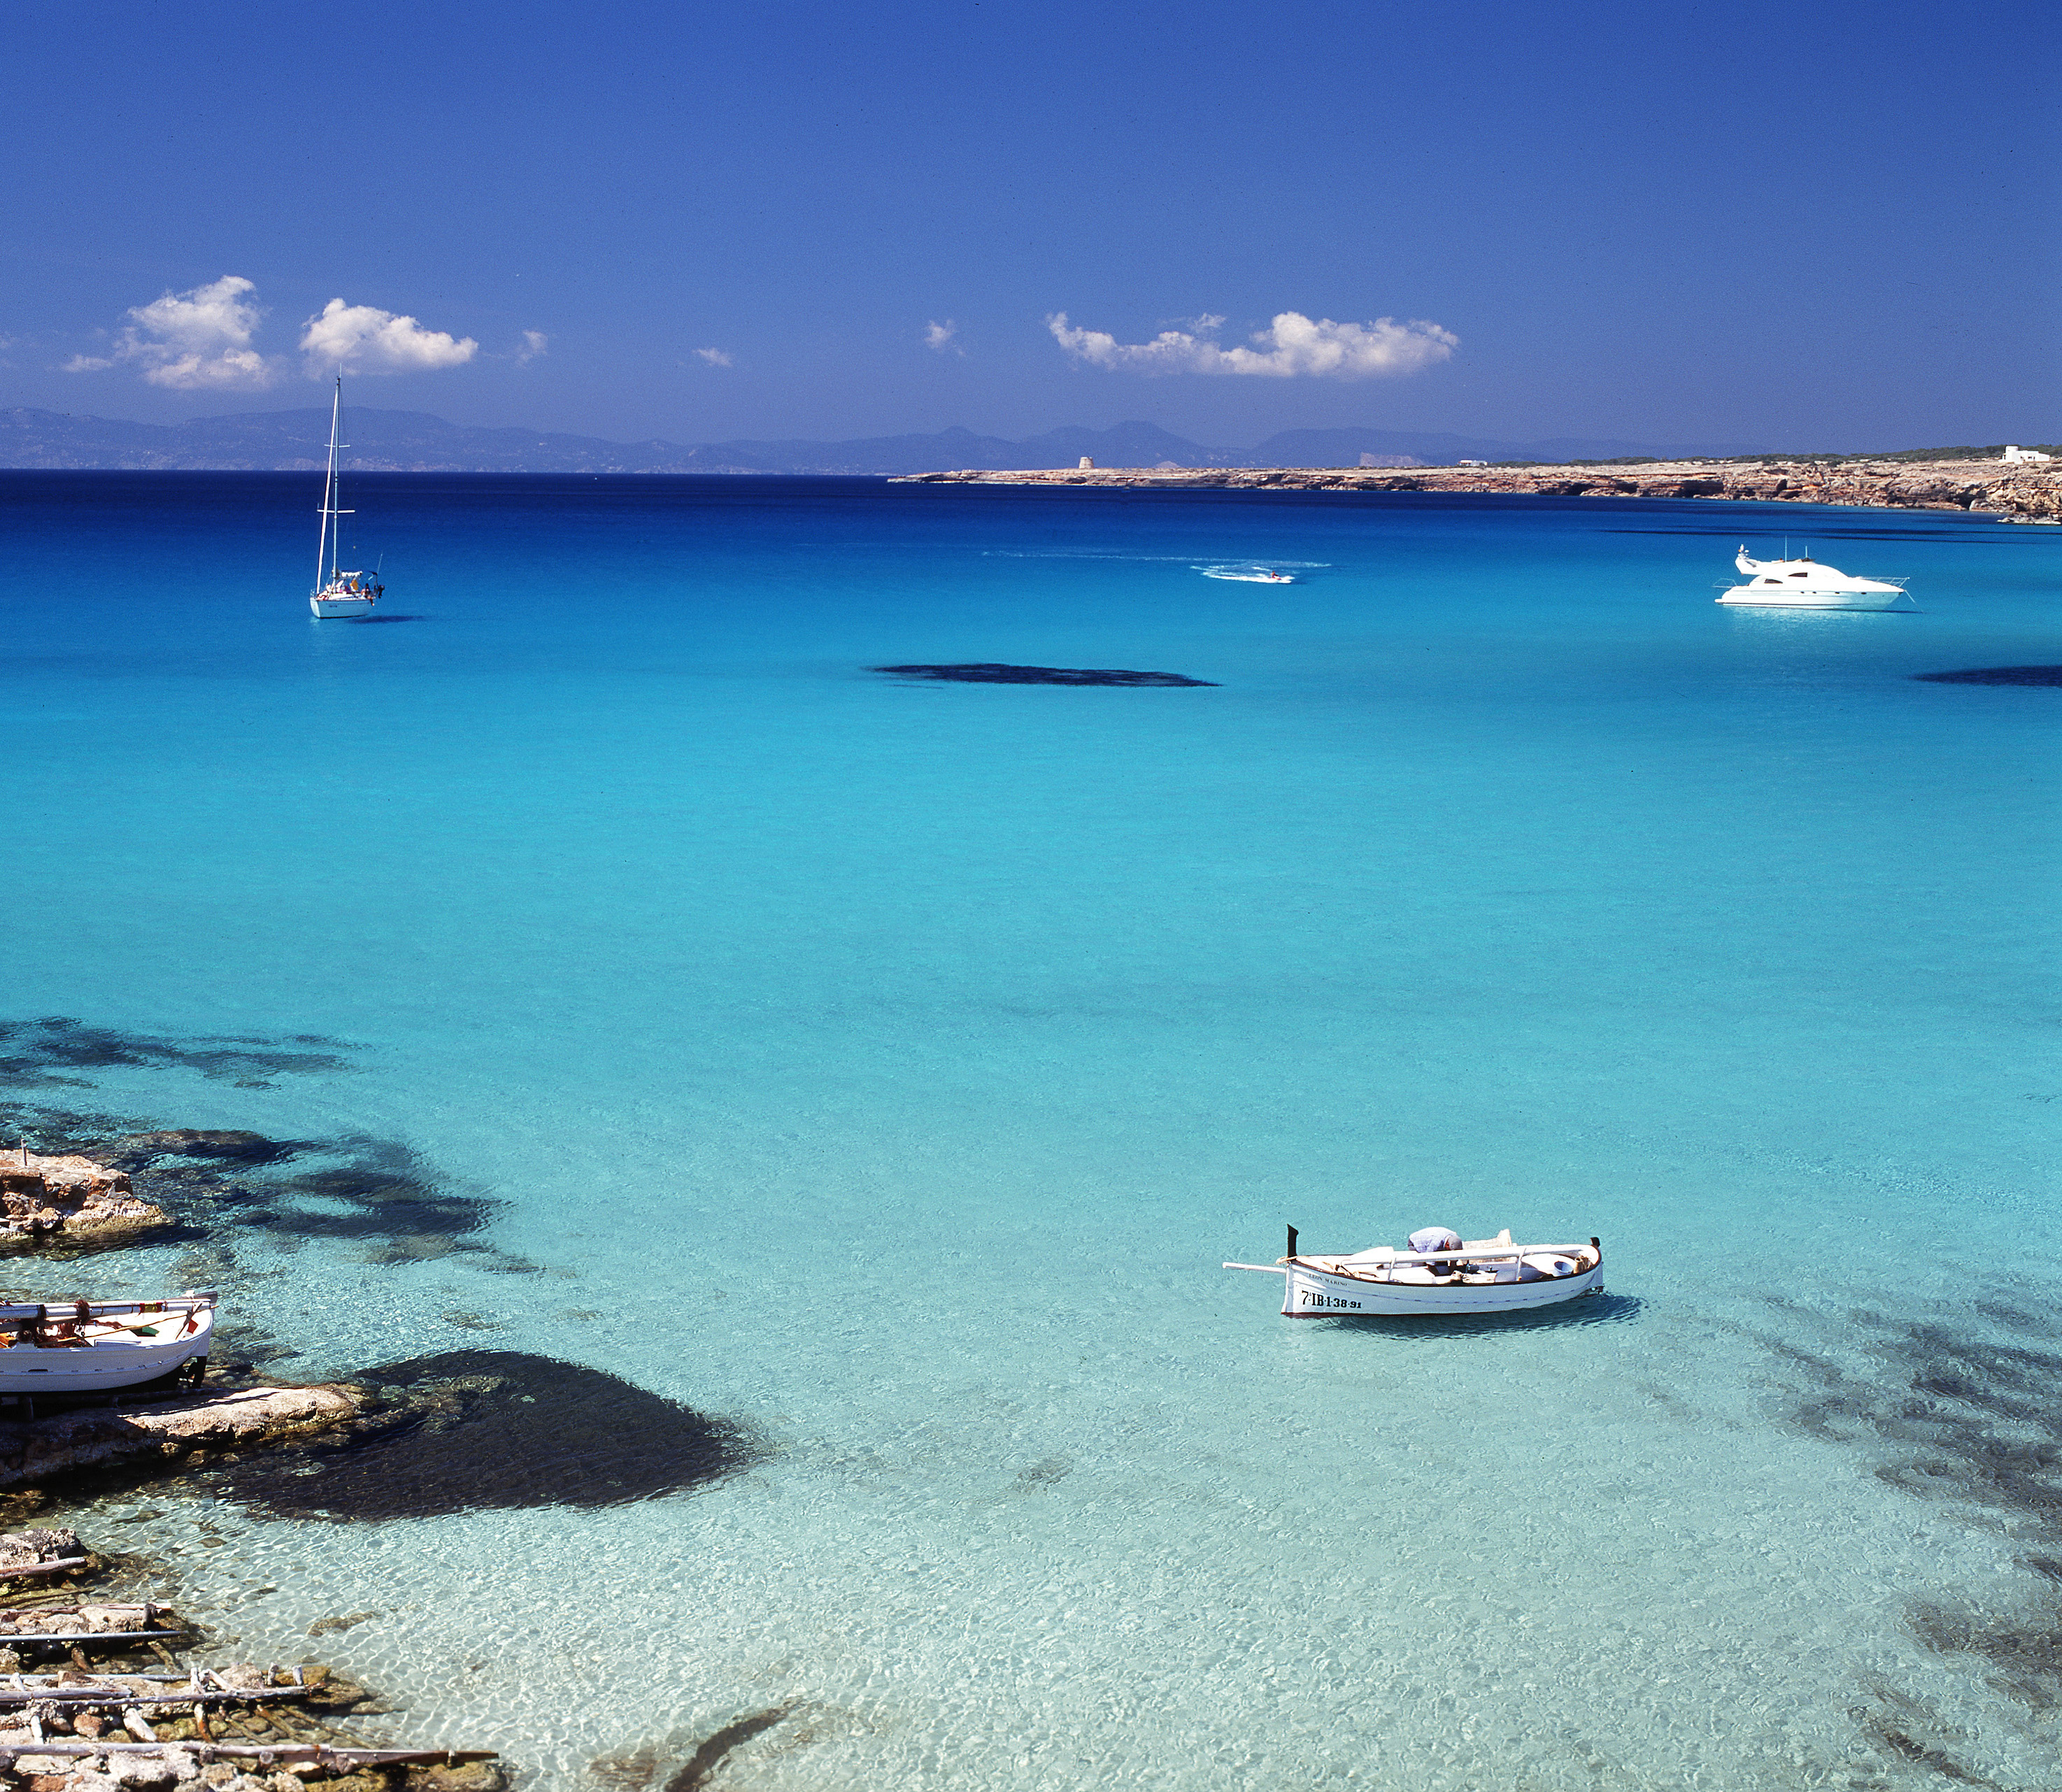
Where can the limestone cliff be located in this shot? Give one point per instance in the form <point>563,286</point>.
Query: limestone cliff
<point>2019,494</point>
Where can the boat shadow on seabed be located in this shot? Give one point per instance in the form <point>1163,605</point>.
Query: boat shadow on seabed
<point>1593,1310</point>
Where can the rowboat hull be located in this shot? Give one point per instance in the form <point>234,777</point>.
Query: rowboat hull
<point>67,1370</point>
<point>1309,1292</point>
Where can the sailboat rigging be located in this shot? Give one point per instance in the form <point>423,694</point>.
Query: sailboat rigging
<point>338,593</point>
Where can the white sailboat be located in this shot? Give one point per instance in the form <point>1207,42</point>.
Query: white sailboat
<point>338,593</point>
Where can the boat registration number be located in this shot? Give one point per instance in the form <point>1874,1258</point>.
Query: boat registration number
<point>1311,1300</point>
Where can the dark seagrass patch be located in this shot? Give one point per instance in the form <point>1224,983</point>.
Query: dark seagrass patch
<point>54,1051</point>
<point>474,1430</point>
<point>1996,674</point>
<point>993,672</point>
<point>1955,1406</point>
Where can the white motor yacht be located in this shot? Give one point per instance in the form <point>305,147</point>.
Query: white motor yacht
<point>1805,584</point>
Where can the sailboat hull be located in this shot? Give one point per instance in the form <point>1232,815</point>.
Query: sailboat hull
<point>330,608</point>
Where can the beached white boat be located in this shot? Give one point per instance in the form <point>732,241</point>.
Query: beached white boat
<point>338,593</point>
<point>1804,584</point>
<point>89,1347</point>
<point>1438,1273</point>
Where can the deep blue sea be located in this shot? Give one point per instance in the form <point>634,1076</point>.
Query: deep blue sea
<point>887,1068</point>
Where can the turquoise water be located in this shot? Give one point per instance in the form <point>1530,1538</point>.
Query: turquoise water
<point>889,1067</point>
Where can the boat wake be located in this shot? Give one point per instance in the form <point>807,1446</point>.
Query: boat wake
<point>1249,573</point>
<point>1073,553</point>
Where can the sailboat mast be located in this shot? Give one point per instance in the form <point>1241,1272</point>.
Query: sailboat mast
<point>336,476</point>
<point>324,549</point>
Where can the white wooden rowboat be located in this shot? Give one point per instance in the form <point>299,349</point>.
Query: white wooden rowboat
<point>90,1347</point>
<point>1484,1275</point>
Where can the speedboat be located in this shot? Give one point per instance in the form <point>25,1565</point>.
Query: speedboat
<point>1439,1273</point>
<point>1248,575</point>
<point>90,1347</point>
<point>1805,584</point>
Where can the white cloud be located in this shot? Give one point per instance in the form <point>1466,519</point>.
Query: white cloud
<point>938,337</point>
<point>367,339</point>
<point>1292,345</point>
<point>535,343</point>
<point>193,340</point>
<point>715,357</point>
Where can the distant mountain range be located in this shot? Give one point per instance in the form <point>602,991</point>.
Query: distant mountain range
<point>414,441</point>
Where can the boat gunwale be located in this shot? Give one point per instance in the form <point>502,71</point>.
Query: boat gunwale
<point>1404,1300</point>
<point>1499,1254</point>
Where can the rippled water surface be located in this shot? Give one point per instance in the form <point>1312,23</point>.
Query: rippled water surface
<point>882,1067</point>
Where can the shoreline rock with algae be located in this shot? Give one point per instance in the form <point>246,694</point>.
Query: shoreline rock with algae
<point>33,1451</point>
<point>69,1193</point>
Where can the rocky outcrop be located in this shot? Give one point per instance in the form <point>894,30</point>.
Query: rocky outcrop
<point>232,1727</point>
<point>2027,497</point>
<point>71,1194</point>
<point>83,1619</point>
<point>31,1549</point>
<point>2016,493</point>
<point>37,1450</point>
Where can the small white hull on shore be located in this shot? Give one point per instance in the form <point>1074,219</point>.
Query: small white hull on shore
<point>1484,1275</point>
<point>78,1347</point>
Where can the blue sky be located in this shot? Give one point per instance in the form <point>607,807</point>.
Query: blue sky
<point>1829,225</point>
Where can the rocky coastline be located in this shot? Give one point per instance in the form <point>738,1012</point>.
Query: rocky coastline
<point>2014,493</point>
<point>446,1432</point>
<point>33,1452</point>
<point>93,1700</point>
<point>66,1193</point>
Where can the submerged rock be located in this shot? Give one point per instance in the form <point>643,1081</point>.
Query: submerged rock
<point>133,1150</point>
<point>468,1430</point>
<point>684,1763</point>
<point>991,672</point>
